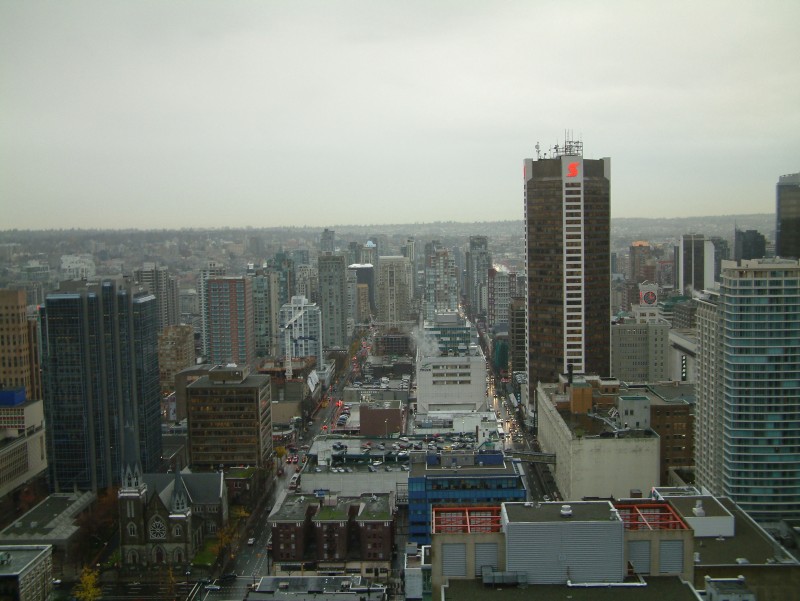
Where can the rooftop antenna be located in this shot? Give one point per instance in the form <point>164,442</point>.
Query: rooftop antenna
<point>538,155</point>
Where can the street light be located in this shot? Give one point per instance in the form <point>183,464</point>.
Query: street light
<point>386,428</point>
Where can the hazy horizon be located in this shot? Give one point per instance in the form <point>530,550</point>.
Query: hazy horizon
<point>205,115</point>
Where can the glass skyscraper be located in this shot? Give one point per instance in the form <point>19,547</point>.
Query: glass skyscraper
<point>100,365</point>
<point>748,395</point>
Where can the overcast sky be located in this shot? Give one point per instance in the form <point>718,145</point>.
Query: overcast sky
<point>170,114</point>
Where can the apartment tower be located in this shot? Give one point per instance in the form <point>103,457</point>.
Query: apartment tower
<point>165,288</point>
<point>332,271</point>
<point>748,376</point>
<point>567,231</point>
<point>394,290</point>
<point>231,324</point>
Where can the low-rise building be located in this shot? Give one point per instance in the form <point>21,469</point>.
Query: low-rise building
<point>26,572</point>
<point>22,440</point>
<point>330,534</point>
<point>595,456</point>
<point>453,478</point>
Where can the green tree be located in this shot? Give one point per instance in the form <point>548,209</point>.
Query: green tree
<point>88,588</point>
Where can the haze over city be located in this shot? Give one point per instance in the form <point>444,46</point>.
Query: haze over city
<point>205,114</point>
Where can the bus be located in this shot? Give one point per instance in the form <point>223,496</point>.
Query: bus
<point>500,432</point>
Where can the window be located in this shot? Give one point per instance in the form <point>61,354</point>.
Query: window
<point>131,529</point>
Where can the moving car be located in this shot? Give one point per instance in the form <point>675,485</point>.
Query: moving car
<point>212,587</point>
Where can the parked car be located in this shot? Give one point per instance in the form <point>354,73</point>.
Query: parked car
<point>212,587</point>
<point>251,541</point>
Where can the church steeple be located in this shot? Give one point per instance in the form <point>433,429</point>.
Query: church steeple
<point>132,480</point>
<point>180,502</point>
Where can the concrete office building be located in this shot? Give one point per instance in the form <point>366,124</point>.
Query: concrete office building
<point>567,234</point>
<point>100,363</point>
<point>748,386</point>
<point>230,419</point>
<point>19,345</point>
<point>26,572</point>
<point>597,455</point>
<point>787,214</point>
<point>22,447</point>
<point>639,352</point>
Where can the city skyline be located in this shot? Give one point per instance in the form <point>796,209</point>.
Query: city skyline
<point>176,114</point>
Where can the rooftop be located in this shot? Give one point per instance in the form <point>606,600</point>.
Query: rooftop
<point>320,588</point>
<point>52,520</point>
<point>584,511</point>
<point>655,589</point>
<point>18,557</point>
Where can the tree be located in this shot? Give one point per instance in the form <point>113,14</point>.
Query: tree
<point>88,588</point>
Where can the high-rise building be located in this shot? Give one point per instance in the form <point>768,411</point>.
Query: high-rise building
<point>362,303</point>
<point>748,386</point>
<point>327,241</point>
<point>100,362</point>
<point>567,216</point>
<point>517,336</point>
<point>19,356</point>
<point>283,266</point>
<point>441,281</point>
<point>501,287</point>
<point>787,214</point>
<point>639,352</point>
<point>409,251</point>
<point>230,419</point>
<point>479,260</point>
<point>211,270</point>
<point>333,300</point>
<point>175,353</point>
<point>300,324</point>
<point>749,244</point>
<point>165,288</point>
<point>231,324</point>
<point>394,290</point>
<point>694,264</point>
<point>265,312</point>
<point>365,274</point>
<point>642,264</point>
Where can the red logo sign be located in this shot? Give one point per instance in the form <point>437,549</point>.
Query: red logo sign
<point>572,170</point>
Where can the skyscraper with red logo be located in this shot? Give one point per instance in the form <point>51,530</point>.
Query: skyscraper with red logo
<point>567,235</point>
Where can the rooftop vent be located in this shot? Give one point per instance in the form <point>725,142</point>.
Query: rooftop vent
<point>566,511</point>
<point>5,558</point>
<point>698,509</point>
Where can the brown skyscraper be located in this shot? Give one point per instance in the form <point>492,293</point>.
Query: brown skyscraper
<point>19,356</point>
<point>567,229</point>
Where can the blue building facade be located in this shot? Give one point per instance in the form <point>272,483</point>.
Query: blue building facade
<point>100,368</point>
<point>448,479</point>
